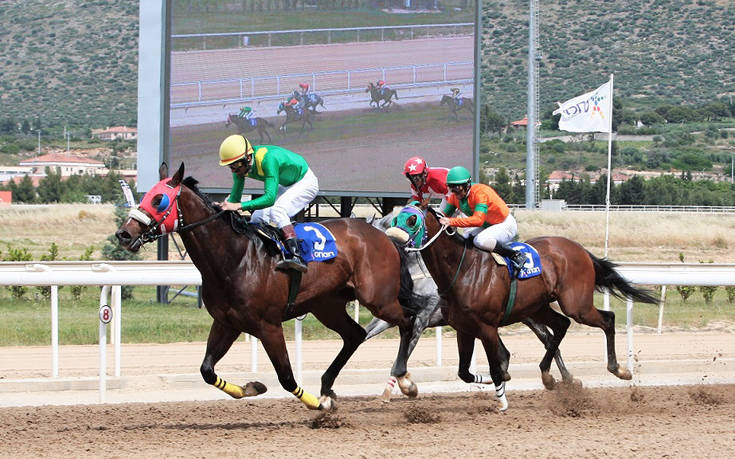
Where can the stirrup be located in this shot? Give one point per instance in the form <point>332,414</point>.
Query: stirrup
<point>292,263</point>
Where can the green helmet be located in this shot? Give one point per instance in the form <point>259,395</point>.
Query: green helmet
<point>458,176</point>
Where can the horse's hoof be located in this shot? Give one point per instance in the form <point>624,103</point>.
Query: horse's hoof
<point>548,380</point>
<point>254,388</point>
<point>624,373</point>
<point>408,387</point>
<point>326,403</point>
<point>506,376</point>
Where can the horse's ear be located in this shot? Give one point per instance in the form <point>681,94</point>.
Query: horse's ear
<point>423,205</point>
<point>163,171</point>
<point>178,176</point>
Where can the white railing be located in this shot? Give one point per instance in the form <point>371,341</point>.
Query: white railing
<point>118,273</point>
<point>399,32</point>
<point>213,92</point>
<point>641,208</point>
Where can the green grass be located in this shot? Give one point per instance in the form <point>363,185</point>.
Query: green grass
<point>27,322</point>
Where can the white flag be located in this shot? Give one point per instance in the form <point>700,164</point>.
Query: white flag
<point>589,112</point>
<point>129,199</point>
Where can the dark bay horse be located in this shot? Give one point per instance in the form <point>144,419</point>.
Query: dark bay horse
<point>381,95</point>
<point>464,103</point>
<point>244,126</point>
<point>477,289</point>
<point>430,315</point>
<point>294,115</point>
<point>309,101</point>
<point>244,293</point>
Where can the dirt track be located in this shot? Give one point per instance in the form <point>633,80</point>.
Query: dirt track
<point>673,421</point>
<point>680,421</point>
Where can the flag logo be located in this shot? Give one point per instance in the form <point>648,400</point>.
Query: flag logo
<point>589,112</point>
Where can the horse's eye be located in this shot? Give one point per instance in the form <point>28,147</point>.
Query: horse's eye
<point>412,221</point>
<point>160,202</point>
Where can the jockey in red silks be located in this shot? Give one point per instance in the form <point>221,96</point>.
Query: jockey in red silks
<point>426,182</point>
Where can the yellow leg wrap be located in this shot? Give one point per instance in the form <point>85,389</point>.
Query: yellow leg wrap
<point>232,390</point>
<point>306,398</point>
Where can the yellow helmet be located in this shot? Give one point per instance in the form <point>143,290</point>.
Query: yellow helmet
<point>233,149</point>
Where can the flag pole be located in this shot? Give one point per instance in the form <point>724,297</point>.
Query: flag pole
<point>606,296</point>
<point>609,167</point>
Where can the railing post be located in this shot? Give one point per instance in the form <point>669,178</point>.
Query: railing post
<point>117,321</point>
<point>55,331</point>
<point>103,346</point>
<point>298,332</point>
<point>629,331</point>
<point>254,354</point>
<point>439,346</point>
<point>661,309</point>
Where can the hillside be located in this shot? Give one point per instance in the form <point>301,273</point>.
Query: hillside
<point>661,51</point>
<point>75,63</point>
<point>69,62</point>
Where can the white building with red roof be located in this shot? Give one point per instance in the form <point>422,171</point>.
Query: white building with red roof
<point>67,164</point>
<point>116,132</point>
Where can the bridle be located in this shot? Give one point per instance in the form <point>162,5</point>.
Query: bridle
<point>152,231</point>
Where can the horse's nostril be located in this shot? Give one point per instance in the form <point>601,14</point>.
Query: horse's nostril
<point>122,236</point>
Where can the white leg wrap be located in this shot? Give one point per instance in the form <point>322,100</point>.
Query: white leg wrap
<point>500,394</point>
<point>480,379</point>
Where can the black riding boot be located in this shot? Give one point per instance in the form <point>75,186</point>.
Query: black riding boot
<point>516,257</point>
<point>292,244</point>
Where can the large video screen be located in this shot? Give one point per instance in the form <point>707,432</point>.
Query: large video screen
<point>355,87</point>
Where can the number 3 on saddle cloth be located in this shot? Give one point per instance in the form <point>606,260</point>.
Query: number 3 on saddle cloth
<point>532,268</point>
<point>317,243</point>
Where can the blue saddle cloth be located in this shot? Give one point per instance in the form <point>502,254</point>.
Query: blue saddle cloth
<point>316,241</point>
<point>253,122</point>
<point>532,268</point>
<point>459,101</point>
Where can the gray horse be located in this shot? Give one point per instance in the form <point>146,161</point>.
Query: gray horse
<point>431,316</point>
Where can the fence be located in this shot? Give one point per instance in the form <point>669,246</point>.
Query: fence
<point>212,92</point>
<point>119,273</point>
<point>301,37</point>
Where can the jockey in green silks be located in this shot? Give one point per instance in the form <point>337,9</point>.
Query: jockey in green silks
<point>247,112</point>
<point>289,186</point>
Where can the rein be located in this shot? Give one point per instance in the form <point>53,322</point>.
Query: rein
<point>448,229</point>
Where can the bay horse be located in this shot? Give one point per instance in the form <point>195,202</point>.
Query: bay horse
<point>309,101</point>
<point>430,315</point>
<point>477,291</point>
<point>245,125</point>
<point>464,103</point>
<point>244,293</point>
<point>293,115</point>
<point>378,95</point>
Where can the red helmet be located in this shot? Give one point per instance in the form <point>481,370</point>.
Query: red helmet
<point>381,82</point>
<point>415,166</point>
<point>304,86</point>
<point>293,101</point>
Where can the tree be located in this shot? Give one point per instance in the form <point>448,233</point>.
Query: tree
<point>491,121</point>
<point>50,188</point>
<point>24,191</point>
<point>8,126</point>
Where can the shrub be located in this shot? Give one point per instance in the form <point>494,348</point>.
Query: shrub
<point>18,291</point>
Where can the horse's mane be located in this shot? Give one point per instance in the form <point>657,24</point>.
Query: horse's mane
<point>237,222</point>
<point>456,236</point>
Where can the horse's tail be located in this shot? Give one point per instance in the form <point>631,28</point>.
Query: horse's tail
<point>608,277</point>
<point>395,93</point>
<point>411,302</point>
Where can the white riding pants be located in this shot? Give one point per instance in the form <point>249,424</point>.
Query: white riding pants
<point>290,200</point>
<point>489,237</point>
